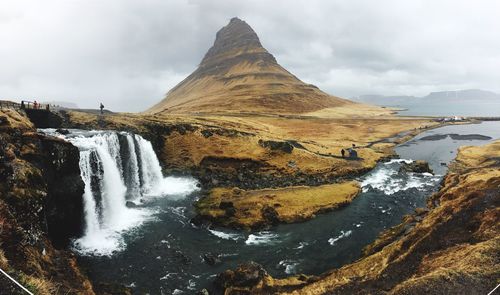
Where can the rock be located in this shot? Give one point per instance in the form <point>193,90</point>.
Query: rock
<point>421,211</point>
<point>277,145</point>
<point>131,204</point>
<point>206,133</point>
<point>270,215</point>
<point>246,275</point>
<point>225,205</point>
<point>62,131</point>
<point>211,259</point>
<point>203,292</point>
<point>418,166</point>
<point>44,119</point>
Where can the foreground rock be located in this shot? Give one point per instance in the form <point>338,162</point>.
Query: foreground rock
<point>40,209</point>
<point>254,209</point>
<point>452,248</point>
<point>418,166</point>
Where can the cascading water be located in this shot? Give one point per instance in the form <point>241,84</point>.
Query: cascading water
<point>117,167</point>
<point>150,168</point>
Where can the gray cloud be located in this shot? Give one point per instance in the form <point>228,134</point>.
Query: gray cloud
<point>129,53</point>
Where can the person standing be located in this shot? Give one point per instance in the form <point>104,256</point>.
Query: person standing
<point>102,108</point>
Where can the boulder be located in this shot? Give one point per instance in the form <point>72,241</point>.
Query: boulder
<point>418,166</point>
<point>211,259</point>
<point>270,215</point>
<point>246,275</point>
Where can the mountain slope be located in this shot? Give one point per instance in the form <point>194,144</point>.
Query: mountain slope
<point>238,75</point>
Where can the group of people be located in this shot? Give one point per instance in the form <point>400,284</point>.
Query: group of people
<point>36,105</point>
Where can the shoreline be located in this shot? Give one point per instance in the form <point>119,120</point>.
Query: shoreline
<point>422,239</point>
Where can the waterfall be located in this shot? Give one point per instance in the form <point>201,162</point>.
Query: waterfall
<point>116,167</point>
<point>89,204</point>
<point>132,177</point>
<point>150,167</point>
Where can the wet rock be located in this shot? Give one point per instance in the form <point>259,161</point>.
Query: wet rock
<point>64,204</point>
<point>203,292</point>
<point>62,131</point>
<point>418,166</point>
<point>226,205</point>
<point>246,275</point>
<point>131,204</point>
<point>198,221</point>
<point>270,215</point>
<point>44,119</point>
<point>211,259</point>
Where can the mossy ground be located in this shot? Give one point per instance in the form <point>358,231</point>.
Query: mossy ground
<point>290,204</point>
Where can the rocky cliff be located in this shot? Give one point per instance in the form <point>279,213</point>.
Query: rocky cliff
<point>450,248</point>
<point>40,209</point>
<point>238,75</point>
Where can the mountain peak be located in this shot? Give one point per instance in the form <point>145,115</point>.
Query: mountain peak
<point>236,39</point>
<point>238,74</point>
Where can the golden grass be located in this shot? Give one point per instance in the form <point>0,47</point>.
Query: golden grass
<point>14,119</point>
<point>39,286</point>
<point>291,204</point>
<point>4,263</point>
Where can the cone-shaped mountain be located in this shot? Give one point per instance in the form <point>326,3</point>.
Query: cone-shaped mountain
<point>238,75</point>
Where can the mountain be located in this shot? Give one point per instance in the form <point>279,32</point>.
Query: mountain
<point>468,95</point>
<point>385,100</point>
<point>238,75</point>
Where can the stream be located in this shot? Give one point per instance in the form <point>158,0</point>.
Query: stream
<point>151,247</point>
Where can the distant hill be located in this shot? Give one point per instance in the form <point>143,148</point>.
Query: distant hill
<point>238,74</point>
<point>468,95</point>
<point>470,102</point>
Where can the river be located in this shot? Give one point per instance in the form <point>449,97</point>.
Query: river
<point>158,251</point>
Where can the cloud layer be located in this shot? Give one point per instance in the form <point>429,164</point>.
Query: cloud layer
<point>129,53</point>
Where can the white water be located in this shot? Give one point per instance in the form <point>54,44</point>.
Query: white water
<point>263,237</point>
<point>133,168</point>
<point>110,175</point>
<point>150,168</point>
<point>385,178</point>
<point>224,235</point>
<point>343,234</point>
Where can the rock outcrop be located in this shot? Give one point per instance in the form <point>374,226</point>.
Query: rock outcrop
<point>40,208</point>
<point>450,248</point>
<point>238,75</point>
<point>256,209</point>
<point>417,166</point>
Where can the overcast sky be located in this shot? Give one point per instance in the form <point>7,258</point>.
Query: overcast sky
<point>129,53</point>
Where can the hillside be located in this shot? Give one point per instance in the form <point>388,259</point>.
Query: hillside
<point>238,75</point>
<point>450,248</point>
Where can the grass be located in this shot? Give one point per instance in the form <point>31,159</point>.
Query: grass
<point>291,204</point>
